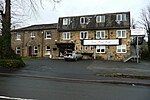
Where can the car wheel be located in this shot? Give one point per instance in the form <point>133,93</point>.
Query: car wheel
<point>76,59</point>
<point>66,59</point>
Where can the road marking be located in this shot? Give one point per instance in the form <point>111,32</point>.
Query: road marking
<point>13,98</point>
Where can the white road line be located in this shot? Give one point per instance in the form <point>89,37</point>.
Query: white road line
<point>13,98</point>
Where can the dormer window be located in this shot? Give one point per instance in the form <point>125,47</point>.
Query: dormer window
<point>100,19</point>
<point>66,21</point>
<point>32,35</point>
<point>18,37</point>
<point>83,20</point>
<point>121,17</point>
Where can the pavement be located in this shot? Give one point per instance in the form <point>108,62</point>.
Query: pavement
<point>82,71</point>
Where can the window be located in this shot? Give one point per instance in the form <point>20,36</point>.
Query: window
<point>81,47</point>
<point>66,35</point>
<point>32,35</point>
<point>48,35</point>
<point>121,33</point>
<point>47,50</point>
<point>100,19</point>
<point>121,49</point>
<point>66,21</point>
<point>91,47</point>
<point>83,20</point>
<point>84,35</point>
<point>17,50</point>
<point>100,49</point>
<point>18,37</point>
<point>100,34</point>
<point>35,49</point>
<point>85,47</point>
<point>121,17</point>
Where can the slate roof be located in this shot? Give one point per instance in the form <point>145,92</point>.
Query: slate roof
<point>37,27</point>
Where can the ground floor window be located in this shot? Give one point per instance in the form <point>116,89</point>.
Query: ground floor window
<point>100,49</point>
<point>17,50</point>
<point>47,50</point>
<point>35,49</point>
<point>121,49</point>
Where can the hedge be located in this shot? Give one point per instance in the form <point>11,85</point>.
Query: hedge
<point>11,63</point>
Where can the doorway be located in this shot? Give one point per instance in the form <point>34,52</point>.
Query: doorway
<point>30,50</point>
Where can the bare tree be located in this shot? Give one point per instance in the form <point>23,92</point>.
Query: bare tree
<point>6,12</point>
<point>145,22</point>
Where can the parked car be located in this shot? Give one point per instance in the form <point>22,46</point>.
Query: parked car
<point>72,55</point>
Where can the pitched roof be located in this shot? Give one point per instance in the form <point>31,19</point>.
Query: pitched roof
<point>37,27</point>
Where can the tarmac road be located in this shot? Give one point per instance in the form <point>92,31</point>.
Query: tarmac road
<point>31,88</point>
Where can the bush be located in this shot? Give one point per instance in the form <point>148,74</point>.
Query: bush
<point>145,55</point>
<point>10,63</point>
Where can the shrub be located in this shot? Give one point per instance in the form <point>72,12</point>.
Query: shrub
<point>145,55</point>
<point>11,63</point>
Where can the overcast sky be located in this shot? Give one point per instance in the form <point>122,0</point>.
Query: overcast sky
<point>85,7</point>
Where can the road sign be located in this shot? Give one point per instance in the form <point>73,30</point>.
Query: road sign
<point>138,32</point>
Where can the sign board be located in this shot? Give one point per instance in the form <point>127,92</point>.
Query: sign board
<point>101,42</point>
<point>137,32</point>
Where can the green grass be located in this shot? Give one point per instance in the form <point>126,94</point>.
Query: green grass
<point>27,58</point>
<point>120,75</point>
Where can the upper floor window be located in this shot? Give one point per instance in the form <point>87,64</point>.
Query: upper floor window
<point>83,20</point>
<point>66,35</point>
<point>32,35</point>
<point>100,19</point>
<point>17,50</point>
<point>100,34</point>
<point>121,17</point>
<point>121,49</point>
<point>48,35</point>
<point>121,33</point>
<point>18,37</point>
<point>84,35</point>
<point>100,49</point>
<point>66,21</point>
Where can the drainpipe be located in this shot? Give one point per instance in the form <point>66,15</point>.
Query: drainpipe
<point>108,46</point>
<point>42,44</point>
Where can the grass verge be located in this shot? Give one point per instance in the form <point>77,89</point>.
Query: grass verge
<point>120,75</point>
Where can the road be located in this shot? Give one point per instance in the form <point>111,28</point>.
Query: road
<point>30,88</point>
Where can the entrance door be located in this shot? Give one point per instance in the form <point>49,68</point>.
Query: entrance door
<point>30,51</point>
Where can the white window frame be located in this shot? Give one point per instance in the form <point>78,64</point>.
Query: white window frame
<point>35,48</point>
<point>85,48</point>
<point>47,34</point>
<point>85,20</point>
<point>100,48</point>
<point>32,35</point>
<point>47,50</point>
<point>81,47</point>
<point>18,48</point>
<point>18,37</point>
<point>121,17</point>
<point>84,32</point>
<point>122,48</point>
<point>100,19</point>
<point>121,33</point>
<point>66,35</point>
<point>66,21</point>
<point>100,34</point>
<point>91,47</point>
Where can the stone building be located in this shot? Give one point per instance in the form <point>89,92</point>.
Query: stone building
<point>36,41</point>
<point>75,30</point>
